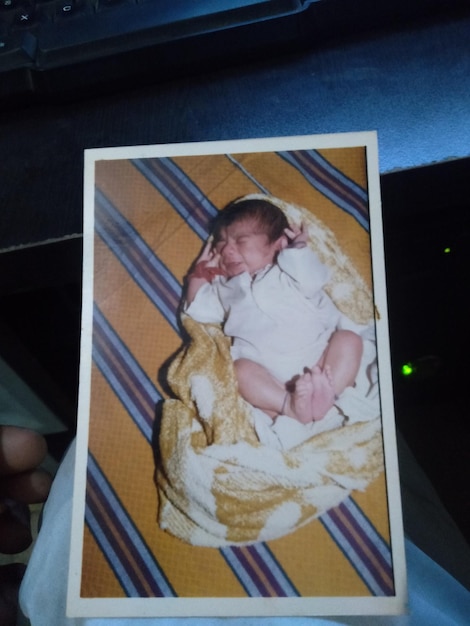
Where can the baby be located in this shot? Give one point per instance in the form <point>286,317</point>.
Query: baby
<point>258,278</point>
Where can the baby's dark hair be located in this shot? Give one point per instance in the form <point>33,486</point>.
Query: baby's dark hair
<point>270,218</point>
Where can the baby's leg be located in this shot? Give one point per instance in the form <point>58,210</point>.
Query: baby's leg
<point>336,370</point>
<point>323,392</point>
<point>342,357</point>
<point>298,403</point>
<point>261,389</point>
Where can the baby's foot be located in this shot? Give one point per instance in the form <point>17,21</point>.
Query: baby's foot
<point>323,393</point>
<point>300,399</point>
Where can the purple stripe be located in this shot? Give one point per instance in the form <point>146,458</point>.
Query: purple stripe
<point>123,238</point>
<point>92,494</point>
<point>130,382</point>
<point>129,558</point>
<point>363,521</point>
<point>266,571</point>
<point>363,536</point>
<point>305,160</point>
<point>242,558</point>
<point>184,190</point>
<point>335,180</point>
<point>374,566</point>
<point>249,570</point>
<point>321,175</point>
<point>129,388</point>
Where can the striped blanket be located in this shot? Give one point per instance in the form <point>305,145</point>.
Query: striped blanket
<point>151,217</point>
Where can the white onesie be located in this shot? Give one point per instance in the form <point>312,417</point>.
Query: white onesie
<point>280,318</point>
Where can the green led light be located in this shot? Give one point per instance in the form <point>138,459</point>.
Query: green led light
<point>447,250</point>
<point>407,369</point>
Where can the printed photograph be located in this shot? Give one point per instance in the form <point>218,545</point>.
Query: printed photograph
<point>236,449</point>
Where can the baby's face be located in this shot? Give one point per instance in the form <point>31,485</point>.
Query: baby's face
<point>243,248</point>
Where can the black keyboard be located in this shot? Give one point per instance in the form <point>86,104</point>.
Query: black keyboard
<point>53,33</point>
<point>40,37</point>
<point>50,47</point>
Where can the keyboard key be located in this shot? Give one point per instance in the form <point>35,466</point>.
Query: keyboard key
<point>25,17</point>
<point>66,9</point>
<point>8,5</point>
<point>17,50</point>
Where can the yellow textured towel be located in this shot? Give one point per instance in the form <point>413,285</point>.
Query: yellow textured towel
<point>219,482</point>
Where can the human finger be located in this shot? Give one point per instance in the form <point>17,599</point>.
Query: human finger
<point>208,250</point>
<point>21,449</point>
<point>28,487</point>
<point>204,254</point>
<point>300,228</point>
<point>214,259</point>
<point>303,231</point>
<point>290,233</point>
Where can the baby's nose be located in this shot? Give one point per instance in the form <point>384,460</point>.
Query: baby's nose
<point>228,249</point>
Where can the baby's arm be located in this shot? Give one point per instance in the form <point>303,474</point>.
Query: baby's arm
<point>301,263</point>
<point>201,300</point>
<point>203,271</point>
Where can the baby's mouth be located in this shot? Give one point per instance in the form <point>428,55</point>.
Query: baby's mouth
<point>234,267</point>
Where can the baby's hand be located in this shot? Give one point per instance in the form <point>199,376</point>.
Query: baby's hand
<point>209,256</point>
<point>207,265</point>
<point>298,236</point>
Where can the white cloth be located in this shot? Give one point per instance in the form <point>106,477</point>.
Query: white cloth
<point>281,318</point>
<point>435,597</point>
